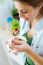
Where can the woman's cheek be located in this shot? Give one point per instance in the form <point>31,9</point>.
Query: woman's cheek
<point>28,16</point>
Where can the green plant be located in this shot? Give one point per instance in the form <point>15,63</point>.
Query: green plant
<point>15,25</point>
<point>15,12</point>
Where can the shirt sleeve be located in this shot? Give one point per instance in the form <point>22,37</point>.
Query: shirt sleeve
<point>39,46</point>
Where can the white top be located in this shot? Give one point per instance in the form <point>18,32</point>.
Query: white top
<point>24,26</point>
<point>37,42</point>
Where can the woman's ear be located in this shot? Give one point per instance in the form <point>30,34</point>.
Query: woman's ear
<point>41,9</point>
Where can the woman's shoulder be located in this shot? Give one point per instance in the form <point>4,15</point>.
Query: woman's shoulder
<point>40,43</point>
<point>37,43</point>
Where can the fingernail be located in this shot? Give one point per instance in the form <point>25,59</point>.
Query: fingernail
<point>12,41</point>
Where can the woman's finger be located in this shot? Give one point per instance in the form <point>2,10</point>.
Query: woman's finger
<point>11,47</point>
<point>18,42</point>
<point>16,46</point>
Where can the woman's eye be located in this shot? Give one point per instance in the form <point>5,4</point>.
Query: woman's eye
<point>24,11</point>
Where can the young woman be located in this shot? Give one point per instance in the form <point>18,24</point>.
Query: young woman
<point>32,10</point>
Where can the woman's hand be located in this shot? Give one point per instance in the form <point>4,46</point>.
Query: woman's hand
<point>19,45</point>
<point>22,46</point>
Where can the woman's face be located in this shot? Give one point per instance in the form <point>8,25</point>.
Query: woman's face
<point>27,11</point>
